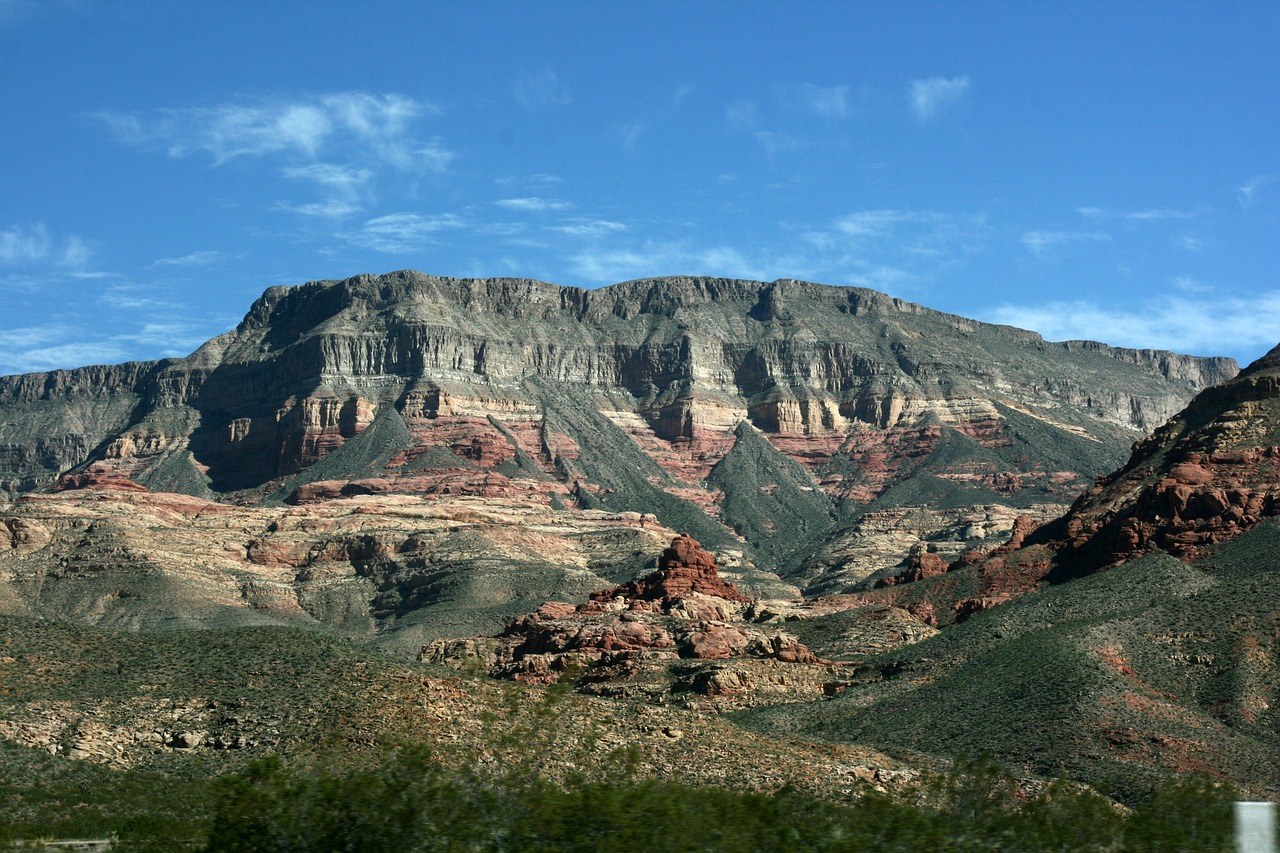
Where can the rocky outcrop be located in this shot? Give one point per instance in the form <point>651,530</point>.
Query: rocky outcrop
<point>1207,476</point>
<point>682,610</point>
<point>684,570</point>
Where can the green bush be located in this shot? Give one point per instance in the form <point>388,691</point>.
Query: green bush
<point>410,804</point>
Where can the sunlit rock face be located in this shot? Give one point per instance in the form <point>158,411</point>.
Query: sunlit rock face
<point>766,419</point>
<point>1207,476</point>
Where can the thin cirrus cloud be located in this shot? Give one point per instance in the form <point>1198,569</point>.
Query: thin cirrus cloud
<point>196,259</point>
<point>742,114</point>
<point>829,101</point>
<point>895,249</point>
<point>1248,192</point>
<point>1177,323</point>
<point>927,97</point>
<point>541,89</point>
<point>826,101</point>
<point>908,233</point>
<point>611,264</point>
<point>402,232</point>
<point>332,209</point>
<point>346,180</point>
<point>591,229</point>
<point>355,124</point>
<point>15,357</point>
<point>775,142</point>
<point>1042,243</point>
<point>55,345</point>
<point>1150,214</point>
<point>32,244</point>
<point>533,204</point>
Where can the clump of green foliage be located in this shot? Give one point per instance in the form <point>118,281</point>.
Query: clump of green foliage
<point>408,802</point>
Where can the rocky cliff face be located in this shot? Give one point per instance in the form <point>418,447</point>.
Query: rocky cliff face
<point>1134,636</point>
<point>761,417</point>
<point>1207,476</point>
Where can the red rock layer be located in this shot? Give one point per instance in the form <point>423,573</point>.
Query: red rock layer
<point>682,569</point>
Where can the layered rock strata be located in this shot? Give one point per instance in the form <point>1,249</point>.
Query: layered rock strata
<point>731,409</point>
<point>1207,476</point>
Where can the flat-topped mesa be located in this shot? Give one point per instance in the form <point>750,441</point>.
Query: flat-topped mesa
<point>683,568</point>
<point>727,408</point>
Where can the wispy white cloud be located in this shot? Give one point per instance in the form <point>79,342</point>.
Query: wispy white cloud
<point>75,354</point>
<point>543,179</point>
<point>742,114</point>
<point>1043,242</point>
<point>605,264</point>
<point>76,253</point>
<point>25,244</point>
<point>332,209</point>
<point>874,223</point>
<point>1152,214</point>
<point>656,258</point>
<point>32,244</point>
<point>346,180</point>
<point>829,101</point>
<point>170,338</point>
<point>920,233</point>
<point>929,96</point>
<point>338,144</point>
<point>894,249</point>
<point>1190,285</point>
<point>826,101</point>
<point>630,133</point>
<point>1158,214</point>
<point>434,156</point>
<point>541,89</point>
<point>195,259</point>
<point>355,124</point>
<point>1248,192</point>
<point>402,232</point>
<point>533,204</point>
<point>1204,326</point>
<point>589,228</point>
<point>60,345</point>
<point>882,277</point>
<point>132,297</point>
<point>775,142</point>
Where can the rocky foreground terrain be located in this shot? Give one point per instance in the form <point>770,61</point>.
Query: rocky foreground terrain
<point>820,511</point>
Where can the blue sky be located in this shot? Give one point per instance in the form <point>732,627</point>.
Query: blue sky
<point>1098,170</point>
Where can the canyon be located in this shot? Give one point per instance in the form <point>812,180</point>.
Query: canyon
<point>804,506</point>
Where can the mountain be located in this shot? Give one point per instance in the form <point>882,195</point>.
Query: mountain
<point>817,432</point>
<point>1134,637</point>
<point>854,506</point>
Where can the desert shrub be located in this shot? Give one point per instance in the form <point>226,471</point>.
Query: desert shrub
<point>1191,815</point>
<point>408,801</point>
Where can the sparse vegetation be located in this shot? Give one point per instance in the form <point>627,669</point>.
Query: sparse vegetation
<point>408,802</point>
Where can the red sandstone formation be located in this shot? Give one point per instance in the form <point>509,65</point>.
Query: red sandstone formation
<point>683,568</point>
<point>97,476</point>
<point>1206,476</point>
<point>684,609</point>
